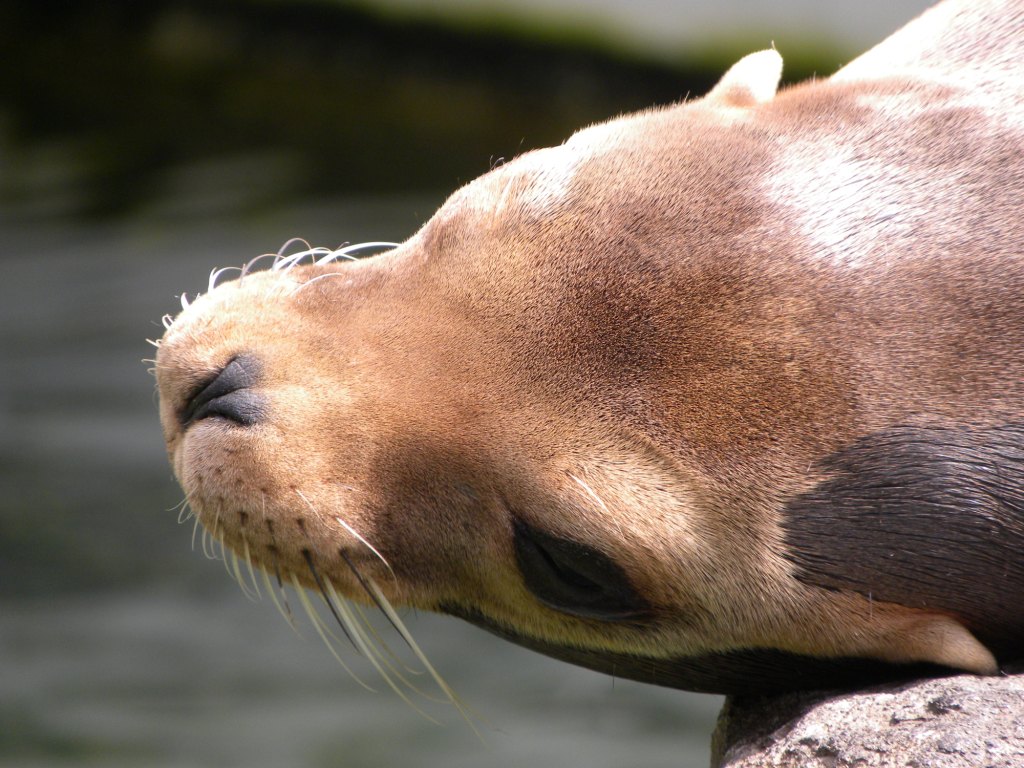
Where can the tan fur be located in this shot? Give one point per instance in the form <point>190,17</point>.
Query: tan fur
<point>645,339</point>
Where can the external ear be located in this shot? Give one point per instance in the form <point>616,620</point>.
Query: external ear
<point>750,81</point>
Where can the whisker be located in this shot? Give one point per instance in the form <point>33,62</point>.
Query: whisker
<point>351,530</point>
<point>248,562</point>
<point>399,625</point>
<point>320,585</point>
<point>380,641</point>
<point>216,274</point>
<point>313,280</point>
<point>314,617</point>
<point>247,267</point>
<point>281,604</point>
<point>284,597</point>
<point>207,547</point>
<point>371,654</point>
<point>289,243</point>
<point>287,614</point>
<point>240,579</point>
<point>218,537</point>
<point>215,531</point>
<point>365,543</point>
<point>590,492</point>
<point>184,510</point>
<point>348,251</point>
<point>365,629</point>
<point>365,584</point>
<point>210,537</point>
<point>286,263</point>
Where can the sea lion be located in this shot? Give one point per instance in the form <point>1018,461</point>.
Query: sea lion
<point>726,396</point>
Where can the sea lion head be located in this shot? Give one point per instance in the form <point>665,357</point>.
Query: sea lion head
<point>568,409</point>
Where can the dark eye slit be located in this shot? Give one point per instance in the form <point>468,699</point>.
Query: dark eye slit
<point>574,578</point>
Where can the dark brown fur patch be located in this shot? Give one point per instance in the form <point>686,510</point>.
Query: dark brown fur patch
<point>927,517</point>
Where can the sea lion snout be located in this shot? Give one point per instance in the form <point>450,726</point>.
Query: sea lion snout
<point>440,480</point>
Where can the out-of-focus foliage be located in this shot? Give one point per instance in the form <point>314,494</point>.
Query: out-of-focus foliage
<point>99,99</point>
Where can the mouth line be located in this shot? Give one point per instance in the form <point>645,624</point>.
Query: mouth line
<point>741,671</point>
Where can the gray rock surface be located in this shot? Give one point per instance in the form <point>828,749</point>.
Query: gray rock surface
<point>956,722</point>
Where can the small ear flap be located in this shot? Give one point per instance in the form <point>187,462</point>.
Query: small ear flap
<point>750,81</point>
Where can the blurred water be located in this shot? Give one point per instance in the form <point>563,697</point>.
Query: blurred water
<point>121,646</point>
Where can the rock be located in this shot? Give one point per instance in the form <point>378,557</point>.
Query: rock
<point>955,722</point>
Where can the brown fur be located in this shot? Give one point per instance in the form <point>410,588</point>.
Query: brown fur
<point>647,340</point>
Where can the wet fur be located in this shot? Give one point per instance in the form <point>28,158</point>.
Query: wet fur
<point>712,344</point>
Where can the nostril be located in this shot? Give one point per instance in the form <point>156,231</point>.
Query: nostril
<point>230,394</point>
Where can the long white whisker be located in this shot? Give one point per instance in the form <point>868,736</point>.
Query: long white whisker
<point>365,543</point>
<point>590,492</point>
<point>248,562</point>
<point>380,641</point>
<point>247,267</point>
<point>314,280</point>
<point>286,263</point>
<point>215,275</point>
<point>240,579</point>
<point>215,539</point>
<point>272,591</point>
<point>388,660</point>
<point>314,617</point>
<point>289,243</point>
<point>205,539</point>
<point>351,530</point>
<point>184,510</point>
<point>219,538</point>
<point>341,609</point>
<point>348,251</point>
<point>397,622</point>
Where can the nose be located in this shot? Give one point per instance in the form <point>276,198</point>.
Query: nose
<point>231,394</point>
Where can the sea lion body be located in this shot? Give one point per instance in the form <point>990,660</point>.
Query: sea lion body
<point>726,396</point>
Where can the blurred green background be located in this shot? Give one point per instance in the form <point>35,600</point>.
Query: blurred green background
<point>144,143</point>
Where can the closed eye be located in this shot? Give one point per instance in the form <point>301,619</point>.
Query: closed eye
<point>574,578</point>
